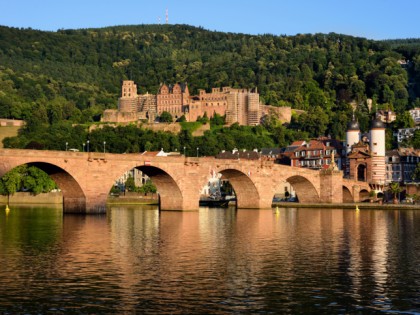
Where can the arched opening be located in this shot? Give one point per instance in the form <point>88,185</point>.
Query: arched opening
<point>217,192</point>
<point>74,200</point>
<point>364,196</point>
<point>170,196</point>
<point>347,196</point>
<point>285,192</point>
<point>361,172</point>
<point>244,190</point>
<point>305,191</point>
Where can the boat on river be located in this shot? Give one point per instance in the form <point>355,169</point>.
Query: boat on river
<point>214,203</point>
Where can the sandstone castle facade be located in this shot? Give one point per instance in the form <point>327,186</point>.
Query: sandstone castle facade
<point>239,105</point>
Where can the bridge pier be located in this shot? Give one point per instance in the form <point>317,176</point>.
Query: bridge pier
<point>80,206</point>
<point>331,186</point>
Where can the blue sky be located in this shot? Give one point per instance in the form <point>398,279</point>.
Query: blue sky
<point>373,19</point>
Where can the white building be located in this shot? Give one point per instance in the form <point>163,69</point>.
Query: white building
<point>415,113</point>
<point>405,133</point>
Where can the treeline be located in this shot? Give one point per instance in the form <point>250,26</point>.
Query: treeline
<point>132,139</point>
<point>49,78</point>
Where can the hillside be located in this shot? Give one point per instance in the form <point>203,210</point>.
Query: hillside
<point>48,77</point>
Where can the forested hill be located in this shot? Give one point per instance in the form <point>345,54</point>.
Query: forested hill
<point>75,74</point>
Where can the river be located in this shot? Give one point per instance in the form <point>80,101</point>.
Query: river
<point>213,261</point>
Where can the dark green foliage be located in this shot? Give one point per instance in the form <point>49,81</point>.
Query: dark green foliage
<point>415,141</point>
<point>27,178</point>
<point>130,185</point>
<point>165,117</point>
<point>148,188</point>
<point>85,67</point>
<point>55,79</point>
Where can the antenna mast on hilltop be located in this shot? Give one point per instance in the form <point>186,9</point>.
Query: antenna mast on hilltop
<point>167,17</point>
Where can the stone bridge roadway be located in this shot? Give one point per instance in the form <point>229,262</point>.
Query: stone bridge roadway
<point>86,178</point>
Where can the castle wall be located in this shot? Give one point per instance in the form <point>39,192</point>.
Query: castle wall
<point>239,105</point>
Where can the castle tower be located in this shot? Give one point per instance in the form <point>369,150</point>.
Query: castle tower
<point>377,151</point>
<point>352,134</point>
<point>128,99</point>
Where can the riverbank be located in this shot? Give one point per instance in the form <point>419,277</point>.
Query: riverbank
<point>350,206</point>
<point>28,198</point>
<point>56,198</point>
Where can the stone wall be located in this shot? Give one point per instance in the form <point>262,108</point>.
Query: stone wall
<point>28,198</point>
<point>11,123</point>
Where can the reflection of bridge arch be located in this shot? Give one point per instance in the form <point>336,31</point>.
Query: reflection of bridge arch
<point>169,191</point>
<point>305,190</point>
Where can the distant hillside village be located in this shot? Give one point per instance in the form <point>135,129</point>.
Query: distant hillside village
<point>240,106</point>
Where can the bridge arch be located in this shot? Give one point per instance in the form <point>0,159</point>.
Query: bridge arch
<point>247,194</point>
<point>347,195</point>
<point>74,199</point>
<point>305,190</point>
<point>364,195</point>
<point>170,195</point>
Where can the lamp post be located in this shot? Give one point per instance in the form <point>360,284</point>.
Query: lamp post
<point>197,150</point>
<point>83,150</point>
<point>104,146</point>
<point>67,145</point>
<point>87,143</point>
<point>184,152</point>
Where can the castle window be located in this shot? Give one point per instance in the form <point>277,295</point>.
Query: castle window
<point>375,143</point>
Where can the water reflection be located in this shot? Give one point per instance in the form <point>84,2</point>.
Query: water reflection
<point>213,261</point>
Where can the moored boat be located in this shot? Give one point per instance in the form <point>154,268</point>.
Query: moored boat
<point>214,202</point>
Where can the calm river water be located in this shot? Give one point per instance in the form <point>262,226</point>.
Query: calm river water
<point>214,261</point>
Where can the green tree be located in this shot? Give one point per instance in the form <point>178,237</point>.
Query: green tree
<point>165,117</point>
<point>130,185</point>
<point>394,188</point>
<point>404,120</point>
<point>28,178</point>
<point>37,181</point>
<point>182,119</point>
<point>11,182</point>
<point>148,187</point>
<point>415,139</point>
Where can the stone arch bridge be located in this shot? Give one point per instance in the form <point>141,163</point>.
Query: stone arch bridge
<point>85,178</point>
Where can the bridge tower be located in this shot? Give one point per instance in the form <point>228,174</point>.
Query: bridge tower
<point>377,150</point>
